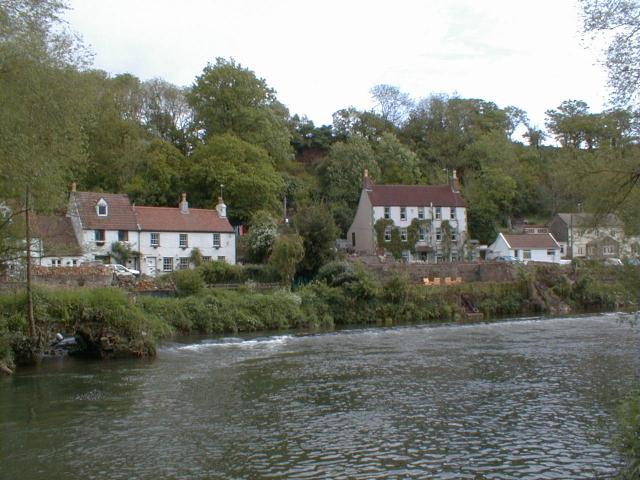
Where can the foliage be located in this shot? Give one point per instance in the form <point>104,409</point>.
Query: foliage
<point>263,232</point>
<point>286,255</point>
<point>628,437</point>
<point>398,164</point>
<point>188,282</point>
<point>316,226</point>
<point>123,252</point>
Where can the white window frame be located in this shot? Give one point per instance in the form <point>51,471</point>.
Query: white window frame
<point>387,212</point>
<point>403,213</point>
<point>438,234</point>
<point>183,240</point>
<point>420,213</point>
<point>216,240</point>
<point>167,264</point>
<point>154,236</point>
<point>100,236</point>
<point>102,204</point>
<point>526,254</point>
<point>403,234</point>
<point>454,236</point>
<point>438,213</point>
<point>183,263</point>
<point>551,252</point>
<point>387,233</point>
<point>222,258</point>
<point>422,234</point>
<point>452,213</point>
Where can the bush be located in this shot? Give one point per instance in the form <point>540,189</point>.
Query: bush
<point>222,272</point>
<point>188,282</point>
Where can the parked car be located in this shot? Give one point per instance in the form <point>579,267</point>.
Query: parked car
<point>507,259</point>
<point>122,271</point>
<point>613,262</point>
<point>634,261</point>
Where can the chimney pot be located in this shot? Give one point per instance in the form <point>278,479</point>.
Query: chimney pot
<point>73,186</point>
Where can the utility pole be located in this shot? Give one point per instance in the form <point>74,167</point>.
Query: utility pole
<point>27,214</point>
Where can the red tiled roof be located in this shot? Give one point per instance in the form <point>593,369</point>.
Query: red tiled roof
<point>531,240</point>
<point>120,215</point>
<point>56,234</point>
<point>164,219</point>
<point>415,196</point>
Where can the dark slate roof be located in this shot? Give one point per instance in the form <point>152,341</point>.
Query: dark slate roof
<point>415,196</point>
<point>531,240</point>
<point>120,214</point>
<point>162,219</point>
<point>56,234</point>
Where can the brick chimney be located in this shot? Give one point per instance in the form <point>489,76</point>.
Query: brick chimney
<point>183,205</point>
<point>73,187</point>
<point>455,184</point>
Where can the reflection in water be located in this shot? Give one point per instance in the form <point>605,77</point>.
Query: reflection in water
<point>523,399</point>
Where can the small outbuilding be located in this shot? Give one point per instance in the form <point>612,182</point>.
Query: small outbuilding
<point>526,247</point>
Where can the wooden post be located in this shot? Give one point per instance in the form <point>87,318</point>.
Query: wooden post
<point>30,316</point>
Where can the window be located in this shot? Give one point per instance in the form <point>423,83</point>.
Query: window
<point>155,239</point>
<point>184,263</point>
<point>551,252</point>
<point>452,213</point>
<point>184,240</point>
<point>562,249</point>
<point>403,213</point>
<point>123,236</point>
<point>387,233</point>
<point>216,240</point>
<point>438,213</point>
<point>608,250</point>
<point>403,234</point>
<point>516,253</point>
<point>74,262</point>
<point>56,262</point>
<point>99,237</point>
<point>422,234</point>
<point>353,239</point>
<point>222,258</point>
<point>526,254</point>
<point>454,237</point>
<point>206,259</point>
<point>167,264</point>
<point>438,234</point>
<point>421,213</point>
<point>102,208</point>
<point>387,212</point>
<point>580,250</point>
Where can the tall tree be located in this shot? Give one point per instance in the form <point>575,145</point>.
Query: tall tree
<point>392,104</point>
<point>228,98</point>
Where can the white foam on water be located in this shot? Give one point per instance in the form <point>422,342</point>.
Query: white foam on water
<point>262,342</point>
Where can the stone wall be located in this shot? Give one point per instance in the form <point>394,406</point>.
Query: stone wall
<point>469,272</point>
<point>81,276</point>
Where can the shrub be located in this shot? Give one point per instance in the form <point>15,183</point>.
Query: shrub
<point>188,282</point>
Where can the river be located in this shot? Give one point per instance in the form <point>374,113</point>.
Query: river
<point>532,398</point>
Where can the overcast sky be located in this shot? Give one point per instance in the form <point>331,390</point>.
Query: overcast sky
<point>323,56</point>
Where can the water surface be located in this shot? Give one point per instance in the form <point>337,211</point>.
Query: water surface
<point>518,399</point>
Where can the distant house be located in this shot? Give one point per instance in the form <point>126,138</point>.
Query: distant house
<point>155,239</point>
<point>55,244</point>
<point>526,247</point>
<point>583,235</point>
<point>429,221</point>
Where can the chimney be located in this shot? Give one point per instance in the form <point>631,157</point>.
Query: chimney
<point>367,183</point>
<point>183,205</point>
<point>455,184</point>
<point>72,189</point>
<point>221,208</point>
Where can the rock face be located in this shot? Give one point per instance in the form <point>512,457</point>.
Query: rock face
<point>96,340</point>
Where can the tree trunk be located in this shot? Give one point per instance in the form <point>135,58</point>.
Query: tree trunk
<point>27,214</point>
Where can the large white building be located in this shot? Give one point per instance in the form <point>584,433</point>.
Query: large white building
<point>429,220</point>
<point>154,239</point>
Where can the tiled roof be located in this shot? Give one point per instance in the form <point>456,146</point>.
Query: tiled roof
<point>531,240</point>
<point>415,196</point>
<point>56,234</point>
<point>120,215</point>
<point>163,219</point>
<point>588,220</point>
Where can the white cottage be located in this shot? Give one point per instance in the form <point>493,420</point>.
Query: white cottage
<point>526,247</point>
<point>437,213</point>
<point>158,239</point>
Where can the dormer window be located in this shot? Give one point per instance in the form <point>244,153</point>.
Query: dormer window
<point>102,208</point>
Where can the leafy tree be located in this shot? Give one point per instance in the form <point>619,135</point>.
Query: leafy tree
<point>250,180</point>
<point>398,164</point>
<point>287,253</point>
<point>316,226</point>
<point>263,231</point>
<point>619,23</point>
<point>228,98</point>
<point>349,122</point>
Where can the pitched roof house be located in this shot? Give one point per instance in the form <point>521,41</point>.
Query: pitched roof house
<point>526,247</point>
<point>436,212</point>
<point>154,238</point>
<point>55,242</point>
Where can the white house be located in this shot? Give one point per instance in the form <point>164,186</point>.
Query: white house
<point>435,216</point>
<point>156,239</point>
<point>527,247</point>
<point>54,242</point>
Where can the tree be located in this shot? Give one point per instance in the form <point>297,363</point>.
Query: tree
<point>318,230</point>
<point>618,21</point>
<point>250,180</point>
<point>287,252</point>
<point>228,98</point>
<point>263,231</point>
<point>398,164</point>
<point>392,104</point>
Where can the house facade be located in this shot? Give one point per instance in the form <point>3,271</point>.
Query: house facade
<point>582,235</point>
<point>526,247</point>
<point>152,240</point>
<point>422,222</point>
<point>54,242</point>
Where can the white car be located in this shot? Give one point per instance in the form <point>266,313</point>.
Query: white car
<point>122,271</point>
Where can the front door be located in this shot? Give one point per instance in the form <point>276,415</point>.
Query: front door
<point>151,266</point>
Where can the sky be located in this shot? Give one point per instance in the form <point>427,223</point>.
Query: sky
<point>324,56</point>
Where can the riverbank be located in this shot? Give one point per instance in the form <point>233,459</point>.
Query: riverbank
<point>112,322</point>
